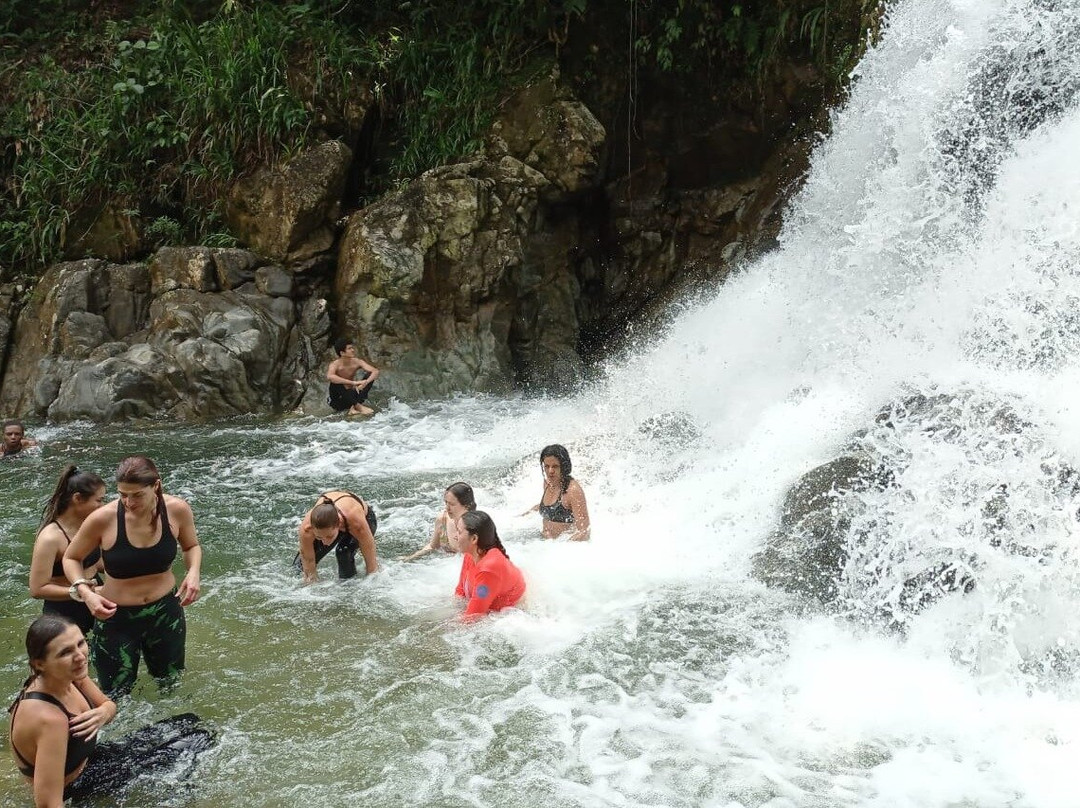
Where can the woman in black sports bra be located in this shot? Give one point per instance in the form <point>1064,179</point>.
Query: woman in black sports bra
<point>562,502</point>
<point>55,719</point>
<point>77,495</point>
<point>343,522</point>
<point>139,608</point>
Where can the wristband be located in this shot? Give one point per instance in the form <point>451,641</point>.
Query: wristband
<point>73,590</point>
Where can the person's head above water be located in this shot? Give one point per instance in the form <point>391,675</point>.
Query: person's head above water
<point>74,487</point>
<point>479,527</point>
<point>325,520</point>
<point>138,483</point>
<point>42,634</point>
<point>459,495</point>
<point>14,432</point>
<point>555,464</point>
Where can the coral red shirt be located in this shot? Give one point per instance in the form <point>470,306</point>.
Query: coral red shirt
<point>490,584</point>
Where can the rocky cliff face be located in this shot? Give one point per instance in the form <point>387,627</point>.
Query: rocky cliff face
<point>512,269</point>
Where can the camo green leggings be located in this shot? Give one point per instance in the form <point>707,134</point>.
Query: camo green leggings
<point>155,630</point>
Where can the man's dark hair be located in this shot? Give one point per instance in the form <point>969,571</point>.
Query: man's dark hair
<point>14,422</point>
<point>341,344</point>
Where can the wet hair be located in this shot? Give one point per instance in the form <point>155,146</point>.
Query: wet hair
<point>325,514</point>
<point>14,422</point>
<point>71,482</point>
<point>463,493</point>
<point>559,453</point>
<point>42,631</point>
<point>479,524</point>
<point>341,344</point>
<point>140,470</point>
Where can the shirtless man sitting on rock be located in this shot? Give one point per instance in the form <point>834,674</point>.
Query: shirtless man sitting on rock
<point>346,391</point>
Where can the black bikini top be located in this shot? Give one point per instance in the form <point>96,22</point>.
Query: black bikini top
<point>78,749</point>
<point>556,511</point>
<point>88,562</point>
<point>123,560</point>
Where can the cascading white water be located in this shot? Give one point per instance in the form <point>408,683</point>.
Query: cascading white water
<point>929,270</point>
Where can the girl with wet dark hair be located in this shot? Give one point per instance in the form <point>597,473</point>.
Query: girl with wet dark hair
<point>139,608</point>
<point>458,498</point>
<point>57,715</point>
<point>488,580</point>
<point>562,502</point>
<point>77,495</point>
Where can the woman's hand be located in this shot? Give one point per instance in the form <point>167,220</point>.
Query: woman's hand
<point>101,608</point>
<point>188,592</point>
<point>86,725</point>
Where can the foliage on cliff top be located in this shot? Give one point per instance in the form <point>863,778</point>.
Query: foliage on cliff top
<point>157,106</point>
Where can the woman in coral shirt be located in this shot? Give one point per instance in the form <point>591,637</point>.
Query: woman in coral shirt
<point>488,580</point>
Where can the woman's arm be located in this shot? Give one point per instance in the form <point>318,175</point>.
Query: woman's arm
<point>46,546</point>
<point>485,587</point>
<point>88,538</point>
<point>356,521</point>
<point>307,550</point>
<point>102,710</point>
<point>49,760</point>
<point>575,497</point>
<point>188,591</point>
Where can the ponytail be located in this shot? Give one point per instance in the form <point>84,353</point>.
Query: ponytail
<point>71,482</point>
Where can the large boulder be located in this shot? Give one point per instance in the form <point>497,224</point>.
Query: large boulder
<point>430,279</point>
<point>552,132</point>
<point>466,279</point>
<point>854,536</point>
<point>104,342</point>
<point>288,213</point>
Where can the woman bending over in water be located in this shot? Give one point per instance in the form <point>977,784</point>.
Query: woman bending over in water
<point>562,502</point>
<point>458,499</point>
<point>77,495</point>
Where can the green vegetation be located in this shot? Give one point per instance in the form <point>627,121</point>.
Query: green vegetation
<point>751,38</point>
<point>156,106</point>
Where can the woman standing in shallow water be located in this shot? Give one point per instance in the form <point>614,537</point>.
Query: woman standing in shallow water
<point>562,502</point>
<point>77,495</point>
<point>139,608</point>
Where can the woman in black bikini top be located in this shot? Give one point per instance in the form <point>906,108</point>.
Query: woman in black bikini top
<point>77,495</point>
<point>59,708</point>
<point>562,502</point>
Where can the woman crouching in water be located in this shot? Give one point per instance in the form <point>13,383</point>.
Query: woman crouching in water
<point>457,499</point>
<point>139,608</point>
<point>56,717</point>
<point>488,580</point>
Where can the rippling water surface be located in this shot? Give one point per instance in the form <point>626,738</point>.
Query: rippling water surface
<point>934,250</point>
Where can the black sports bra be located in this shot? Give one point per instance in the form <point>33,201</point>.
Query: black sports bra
<point>123,560</point>
<point>88,562</point>
<point>78,749</point>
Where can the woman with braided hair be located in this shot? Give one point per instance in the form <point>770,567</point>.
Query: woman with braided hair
<point>344,523</point>
<point>488,580</point>
<point>77,495</point>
